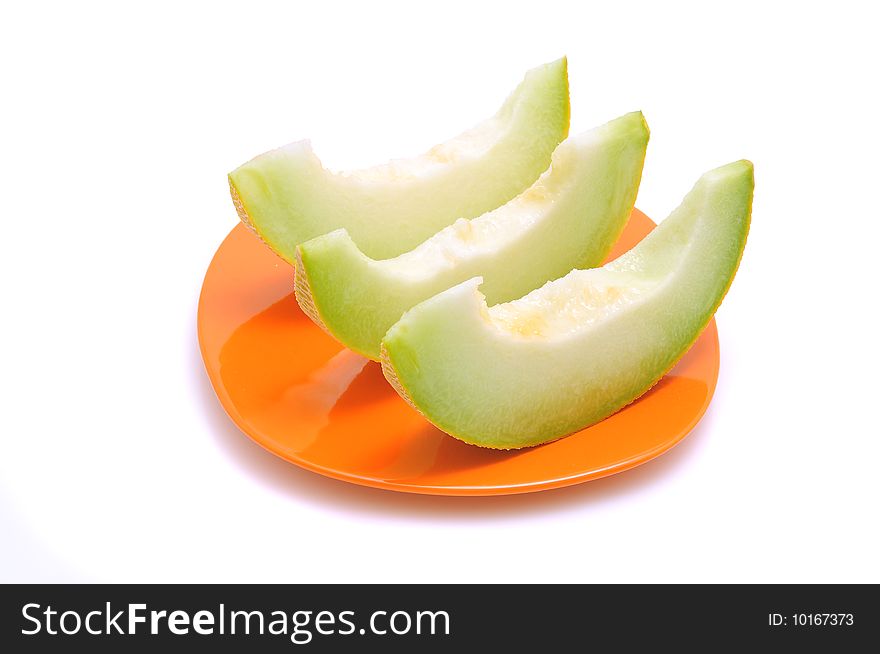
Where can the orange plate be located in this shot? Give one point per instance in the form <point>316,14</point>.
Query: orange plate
<point>301,395</point>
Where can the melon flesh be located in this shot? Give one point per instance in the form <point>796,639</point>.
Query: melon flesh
<point>569,218</point>
<point>578,349</point>
<point>287,197</point>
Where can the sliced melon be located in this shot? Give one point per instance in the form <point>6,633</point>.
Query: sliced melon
<point>581,347</point>
<point>287,197</point>
<point>569,218</point>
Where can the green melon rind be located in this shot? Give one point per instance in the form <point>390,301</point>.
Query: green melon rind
<point>570,218</point>
<point>494,390</point>
<point>287,197</point>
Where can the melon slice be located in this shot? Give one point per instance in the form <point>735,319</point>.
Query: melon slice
<point>581,347</point>
<point>569,218</point>
<point>287,197</point>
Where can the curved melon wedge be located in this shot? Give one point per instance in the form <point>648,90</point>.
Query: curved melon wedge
<point>569,218</point>
<point>581,347</point>
<point>287,197</point>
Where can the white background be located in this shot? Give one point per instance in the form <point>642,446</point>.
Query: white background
<point>118,128</point>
